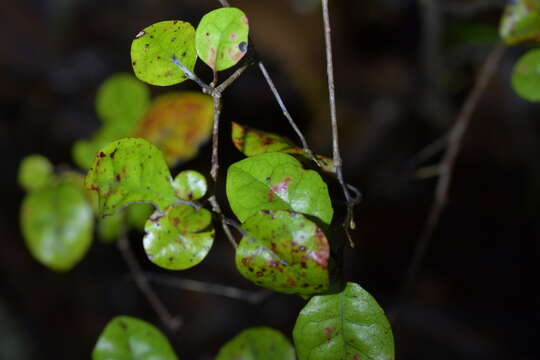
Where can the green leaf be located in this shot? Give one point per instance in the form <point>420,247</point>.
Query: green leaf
<point>190,185</point>
<point>276,181</point>
<point>179,238</point>
<point>285,252</point>
<point>122,100</point>
<point>155,49</point>
<point>526,76</point>
<point>130,170</point>
<point>520,22</point>
<point>127,338</point>
<point>258,343</point>
<point>35,172</point>
<point>222,38</point>
<point>109,228</point>
<point>121,103</point>
<point>178,123</point>
<point>252,142</point>
<point>349,325</point>
<point>138,214</point>
<point>57,224</point>
<point>134,216</point>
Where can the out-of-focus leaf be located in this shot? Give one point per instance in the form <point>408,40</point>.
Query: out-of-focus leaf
<point>222,38</point>
<point>134,216</point>
<point>520,22</point>
<point>127,338</point>
<point>190,185</point>
<point>138,214</point>
<point>35,172</point>
<point>285,252</point>
<point>121,103</point>
<point>178,123</point>
<point>252,142</point>
<point>276,181</point>
<point>258,343</point>
<point>127,171</point>
<point>349,325</point>
<point>526,76</point>
<point>178,238</point>
<point>156,48</point>
<point>57,224</point>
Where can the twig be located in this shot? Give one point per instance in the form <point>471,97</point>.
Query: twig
<point>190,75</point>
<point>430,150</point>
<point>286,113</point>
<point>455,140</point>
<point>217,209</point>
<point>349,221</point>
<point>207,288</point>
<point>172,322</point>
<point>215,137</point>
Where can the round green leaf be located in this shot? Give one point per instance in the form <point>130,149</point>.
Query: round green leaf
<point>190,185</point>
<point>109,228</point>
<point>130,170</point>
<point>179,238</point>
<point>276,181</point>
<point>349,325</point>
<point>57,224</point>
<point>526,76</point>
<point>520,22</point>
<point>127,338</point>
<point>222,38</point>
<point>258,343</point>
<point>285,252</point>
<point>35,172</point>
<point>155,49</point>
<point>122,100</point>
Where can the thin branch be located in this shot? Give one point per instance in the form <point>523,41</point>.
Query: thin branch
<point>286,113</point>
<point>215,137</point>
<point>172,322</point>
<point>349,221</point>
<point>207,288</point>
<point>224,85</point>
<point>190,75</point>
<point>455,140</point>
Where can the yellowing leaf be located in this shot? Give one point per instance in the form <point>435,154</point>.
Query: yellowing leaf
<point>178,123</point>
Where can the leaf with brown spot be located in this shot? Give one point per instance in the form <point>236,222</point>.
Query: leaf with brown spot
<point>127,171</point>
<point>178,123</point>
<point>285,252</point>
<point>349,325</point>
<point>252,142</point>
<point>179,238</point>
<point>221,38</point>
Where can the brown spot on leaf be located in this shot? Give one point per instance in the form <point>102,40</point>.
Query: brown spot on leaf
<point>280,189</point>
<point>329,332</point>
<point>101,154</point>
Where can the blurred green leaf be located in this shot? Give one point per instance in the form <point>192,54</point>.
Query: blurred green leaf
<point>276,181</point>
<point>178,123</point>
<point>35,172</point>
<point>349,325</point>
<point>520,22</point>
<point>127,171</point>
<point>179,238</point>
<point>222,38</point>
<point>526,76</point>
<point>127,338</point>
<point>258,343</point>
<point>121,103</point>
<point>57,225</point>
<point>285,252</point>
<point>154,50</point>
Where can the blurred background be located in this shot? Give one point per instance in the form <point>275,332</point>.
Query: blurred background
<point>403,69</point>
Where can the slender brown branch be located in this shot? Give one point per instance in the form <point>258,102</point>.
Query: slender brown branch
<point>208,288</point>
<point>286,113</point>
<point>224,224</point>
<point>446,168</point>
<point>172,322</point>
<point>349,220</point>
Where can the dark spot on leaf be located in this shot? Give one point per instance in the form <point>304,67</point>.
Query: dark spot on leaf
<point>123,325</point>
<point>242,46</point>
<point>173,40</point>
<point>329,332</point>
<point>171,258</point>
<point>114,153</point>
<point>184,54</point>
<point>175,22</point>
<point>207,34</point>
<point>101,154</point>
<point>259,274</point>
<point>305,285</point>
<point>356,357</point>
<point>117,177</point>
<point>134,63</point>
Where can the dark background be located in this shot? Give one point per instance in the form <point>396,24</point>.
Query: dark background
<point>402,70</point>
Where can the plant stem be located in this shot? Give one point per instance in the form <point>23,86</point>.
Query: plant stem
<point>172,322</point>
<point>349,220</point>
<point>207,288</point>
<point>446,168</point>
